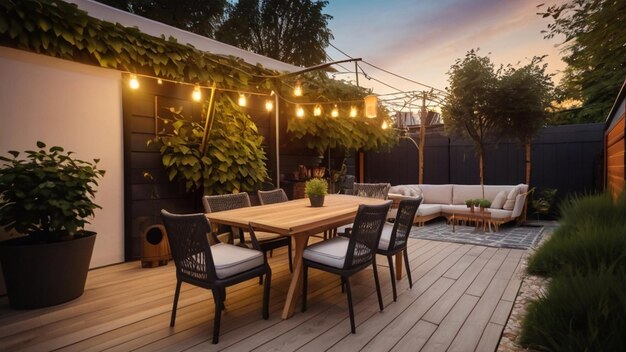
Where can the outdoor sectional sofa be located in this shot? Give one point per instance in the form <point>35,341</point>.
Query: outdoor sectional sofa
<point>445,200</point>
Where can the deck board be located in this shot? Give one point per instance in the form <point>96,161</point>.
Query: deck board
<point>461,298</point>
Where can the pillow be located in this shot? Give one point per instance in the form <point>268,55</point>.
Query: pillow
<point>510,199</point>
<point>415,192</point>
<point>499,200</point>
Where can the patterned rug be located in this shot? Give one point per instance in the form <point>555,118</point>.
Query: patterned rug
<point>508,236</point>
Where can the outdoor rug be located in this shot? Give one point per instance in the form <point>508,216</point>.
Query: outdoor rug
<point>508,236</point>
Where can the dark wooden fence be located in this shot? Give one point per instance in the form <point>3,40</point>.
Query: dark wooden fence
<point>567,158</point>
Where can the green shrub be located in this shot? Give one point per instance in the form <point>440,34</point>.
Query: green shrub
<point>316,187</point>
<point>591,236</point>
<point>579,313</point>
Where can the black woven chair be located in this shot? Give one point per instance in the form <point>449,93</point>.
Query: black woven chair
<point>371,190</point>
<point>267,240</point>
<point>394,238</point>
<point>274,196</point>
<point>212,267</point>
<point>346,256</point>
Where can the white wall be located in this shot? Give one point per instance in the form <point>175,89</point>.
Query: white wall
<point>78,107</point>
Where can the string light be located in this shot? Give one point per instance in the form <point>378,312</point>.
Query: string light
<point>353,111</point>
<point>159,81</point>
<point>242,100</point>
<point>197,93</point>
<point>297,90</point>
<point>269,105</point>
<point>317,111</point>
<point>299,111</point>
<point>385,125</point>
<point>133,82</point>
<point>371,105</point>
<point>335,111</point>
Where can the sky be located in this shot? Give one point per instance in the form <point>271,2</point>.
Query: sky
<point>421,39</point>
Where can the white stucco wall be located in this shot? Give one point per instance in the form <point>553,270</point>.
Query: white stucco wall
<point>78,107</point>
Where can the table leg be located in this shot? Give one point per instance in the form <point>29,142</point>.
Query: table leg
<point>296,278</point>
<point>399,265</point>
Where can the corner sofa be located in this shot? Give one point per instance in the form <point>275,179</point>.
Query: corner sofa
<point>445,200</point>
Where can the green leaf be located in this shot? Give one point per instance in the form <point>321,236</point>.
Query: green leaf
<point>41,144</point>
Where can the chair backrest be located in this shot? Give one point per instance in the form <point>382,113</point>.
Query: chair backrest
<point>371,190</point>
<point>274,196</point>
<point>187,236</point>
<point>213,204</point>
<point>404,221</point>
<point>366,231</point>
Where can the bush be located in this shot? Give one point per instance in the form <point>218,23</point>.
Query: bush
<point>591,236</point>
<point>579,313</point>
<point>316,187</point>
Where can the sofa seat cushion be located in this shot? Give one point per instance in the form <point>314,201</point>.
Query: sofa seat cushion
<point>499,214</point>
<point>331,252</point>
<point>232,260</point>
<point>451,209</point>
<point>428,209</point>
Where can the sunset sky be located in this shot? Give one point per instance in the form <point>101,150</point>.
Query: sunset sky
<point>422,39</point>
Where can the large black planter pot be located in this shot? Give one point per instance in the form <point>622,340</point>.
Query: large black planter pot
<point>42,275</point>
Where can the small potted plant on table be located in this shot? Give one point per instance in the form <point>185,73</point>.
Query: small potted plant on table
<point>45,199</point>
<point>316,189</point>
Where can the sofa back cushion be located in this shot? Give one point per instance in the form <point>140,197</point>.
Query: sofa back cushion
<point>461,193</point>
<point>499,200</point>
<point>436,194</point>
<point>406,190</point>
<point>510,199</point>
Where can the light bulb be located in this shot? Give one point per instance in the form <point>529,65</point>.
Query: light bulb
<point>159,81</point>
<point>353,111</point>
<point>335,112</point>
<point>317,111</point>
<point>197,94</point>
<point>385,125</point>
<point>242,100</point>
<point>269,105</point>
<point>297,90</point>
<point>299,111</point>
<point>133,82</point>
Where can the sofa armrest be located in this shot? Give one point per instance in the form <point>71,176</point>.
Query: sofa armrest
<point>520,200</point>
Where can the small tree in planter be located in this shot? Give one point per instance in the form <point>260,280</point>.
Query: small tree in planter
<point>47,199</point>
<point>316,189</point>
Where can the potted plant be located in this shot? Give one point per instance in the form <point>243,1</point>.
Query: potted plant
<point>484,204</point>
<point>45,200</point>
<point>316,189</point>
<point>470,204</point>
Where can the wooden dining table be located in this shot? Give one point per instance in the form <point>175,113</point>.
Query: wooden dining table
<point>296,218</point>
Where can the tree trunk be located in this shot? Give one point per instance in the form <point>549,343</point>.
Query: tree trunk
<point>527,151</point>
<point>481,167</point>
<point>422,139</point>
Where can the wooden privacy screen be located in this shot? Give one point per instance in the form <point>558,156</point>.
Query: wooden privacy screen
<point>615,158</point>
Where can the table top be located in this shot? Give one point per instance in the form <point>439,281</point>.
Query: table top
<point>296,216</point>
<point>476,214</point>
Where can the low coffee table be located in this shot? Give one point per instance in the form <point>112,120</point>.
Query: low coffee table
<point>477,217</point>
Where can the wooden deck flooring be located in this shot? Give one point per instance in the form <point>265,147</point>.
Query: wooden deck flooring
<point>461,298</point>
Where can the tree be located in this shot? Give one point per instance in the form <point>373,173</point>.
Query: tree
<point>521,100</point>
<point>468,110</point>
<point>293,31</point>
<point>594,50</point>
<point>200,17</point>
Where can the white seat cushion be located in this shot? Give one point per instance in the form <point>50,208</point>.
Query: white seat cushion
<point>499,214</point>
<point>232,260</point>
<point>451,209</point>
<point>428,209</point>
<point>331,252</point>
<point>385,237</point>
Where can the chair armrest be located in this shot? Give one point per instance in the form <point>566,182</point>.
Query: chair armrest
<point>255,242</point>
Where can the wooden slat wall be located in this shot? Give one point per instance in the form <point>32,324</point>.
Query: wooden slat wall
<point>615,158</point>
